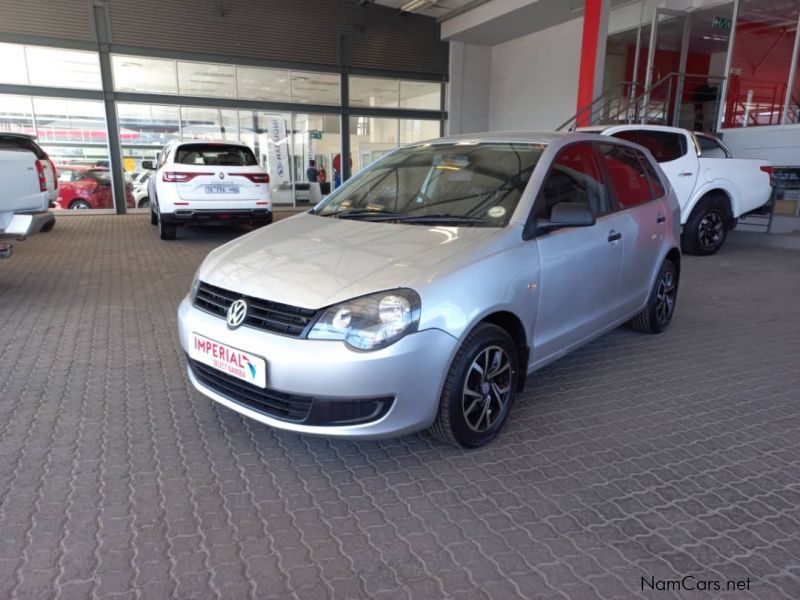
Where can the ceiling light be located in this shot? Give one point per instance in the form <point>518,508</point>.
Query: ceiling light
<point>416,5</point>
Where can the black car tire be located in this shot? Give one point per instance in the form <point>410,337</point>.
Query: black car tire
<point>707,227</point>
<point>166,231</point>
<point>660,308</point>
<point>455,420</point>
<point>144,202</point>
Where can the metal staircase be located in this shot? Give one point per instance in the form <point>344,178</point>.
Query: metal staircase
<point>663,103</point>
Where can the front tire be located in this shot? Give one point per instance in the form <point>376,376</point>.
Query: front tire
<point>657,315</point>
<point>144,202</point>
<point>707,226</point>
<point>479,390</point>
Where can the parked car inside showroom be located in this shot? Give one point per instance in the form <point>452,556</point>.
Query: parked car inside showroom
<point>83,188</point>
<point>424,291</point>
<point>713,188</point>
<point>140,184</point>
<point>202,182</point>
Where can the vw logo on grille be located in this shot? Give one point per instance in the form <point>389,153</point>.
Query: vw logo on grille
<point>237,313</point>
<point>221,175</point>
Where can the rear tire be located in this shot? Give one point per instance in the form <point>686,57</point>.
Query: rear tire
<point>657,315</point>
<point>707,226</point>
<point>479,390</point>
<point>166,231</point>
<point>144,202</point>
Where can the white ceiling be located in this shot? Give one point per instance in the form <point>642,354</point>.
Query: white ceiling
<point>439,9</point>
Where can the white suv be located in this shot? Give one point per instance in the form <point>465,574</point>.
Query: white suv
<point>200,182</point>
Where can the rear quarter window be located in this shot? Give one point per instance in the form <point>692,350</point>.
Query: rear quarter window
<point>215,154</point>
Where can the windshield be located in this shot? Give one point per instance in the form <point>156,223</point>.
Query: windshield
<point>467,183</point>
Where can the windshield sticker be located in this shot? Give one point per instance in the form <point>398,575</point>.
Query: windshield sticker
<point>496,212</point>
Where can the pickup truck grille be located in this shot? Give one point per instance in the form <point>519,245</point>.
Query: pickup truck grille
<point>269,316</point>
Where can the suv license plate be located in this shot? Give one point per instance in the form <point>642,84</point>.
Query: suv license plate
<point>222,189</point>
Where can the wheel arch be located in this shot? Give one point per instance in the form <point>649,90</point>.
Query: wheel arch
<point>718,191</point>
<point>512,324</point>
<point>674,255</point>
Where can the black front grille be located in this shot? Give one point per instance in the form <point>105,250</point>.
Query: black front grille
<point>310,410</point>
<point>289,407</point>
<point>261,314</point>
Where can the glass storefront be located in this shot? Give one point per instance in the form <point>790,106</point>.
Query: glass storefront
<point>74,131</point>
<point>75,136</point>
<point>761,62</point>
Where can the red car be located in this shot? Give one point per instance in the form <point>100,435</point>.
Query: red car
<point>80,188</point>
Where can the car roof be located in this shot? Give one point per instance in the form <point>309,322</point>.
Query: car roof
<point>529,137</point>
<point>627,126</point>
<point>23,136</point>
<point>211,142</point>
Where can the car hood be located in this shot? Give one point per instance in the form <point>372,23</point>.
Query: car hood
<point>313,261</point>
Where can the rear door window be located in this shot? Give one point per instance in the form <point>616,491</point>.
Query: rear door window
<point>656,184</point>
<point>626,174</point>
<point>574,176</point>
<point>665,146</point>
<point>215,154</point>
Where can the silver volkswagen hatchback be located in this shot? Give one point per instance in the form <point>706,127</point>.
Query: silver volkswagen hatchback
<point>422,292</point>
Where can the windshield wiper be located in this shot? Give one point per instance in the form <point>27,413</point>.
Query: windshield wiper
<point>359,213</point>
<point>441,218</point>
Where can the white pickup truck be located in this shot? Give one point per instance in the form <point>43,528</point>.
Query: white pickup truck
<point>29,186</point>
<point>713,188</point>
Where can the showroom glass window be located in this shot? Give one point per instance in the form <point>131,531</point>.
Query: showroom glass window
<point>626,175</point>
<point>758,80</point>
<point>574,176</point>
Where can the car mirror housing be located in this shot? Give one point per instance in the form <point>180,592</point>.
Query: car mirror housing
<point>148,164</point>
<point>568,214</point>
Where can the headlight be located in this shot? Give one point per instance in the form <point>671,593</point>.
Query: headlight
<point>195,285</point>
<point>370,322</point>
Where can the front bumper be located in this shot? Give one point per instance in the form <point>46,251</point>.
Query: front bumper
<point>410,373</point>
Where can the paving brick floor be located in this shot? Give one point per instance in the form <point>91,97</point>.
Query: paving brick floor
<point>638,456</point>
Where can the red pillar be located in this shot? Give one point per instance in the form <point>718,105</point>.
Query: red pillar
<point>595,27</point>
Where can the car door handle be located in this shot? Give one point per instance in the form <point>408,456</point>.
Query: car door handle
<point>685,174</point>
<point>613,236</point>
<point>660,219</point>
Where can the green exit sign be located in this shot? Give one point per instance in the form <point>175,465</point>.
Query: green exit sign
<point>722,23</point>
<point>315,135</point>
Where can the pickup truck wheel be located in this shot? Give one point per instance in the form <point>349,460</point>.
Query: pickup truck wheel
<point>166,231</point>
<point>657,315</point>
<point>707,227</point>
<point>479,390</point>
<point>79,205</point>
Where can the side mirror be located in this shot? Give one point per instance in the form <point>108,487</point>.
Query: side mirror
<point>568,214</point>
<point>148,164</point>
